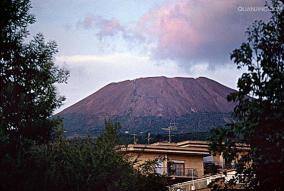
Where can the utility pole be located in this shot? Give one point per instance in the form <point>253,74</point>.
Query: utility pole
<point>171,128</point>
<point>170,136</point>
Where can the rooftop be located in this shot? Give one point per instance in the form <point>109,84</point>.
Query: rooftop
<point>184,147</point>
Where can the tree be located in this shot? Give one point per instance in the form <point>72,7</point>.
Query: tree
<point>27,77</point>
<point>81,164</point>
<point>260,108</point>
<point>27,92</point>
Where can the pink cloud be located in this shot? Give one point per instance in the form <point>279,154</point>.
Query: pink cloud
<point>199,30</point>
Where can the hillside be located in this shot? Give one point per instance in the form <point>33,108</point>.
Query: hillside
<point>148,104</point>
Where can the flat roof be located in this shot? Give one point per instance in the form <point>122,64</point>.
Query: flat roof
<point>184,147</point>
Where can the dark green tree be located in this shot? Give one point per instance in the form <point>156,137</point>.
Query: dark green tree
<point>260,108</point>
<point>27,92</point>
<point>82,164</point>
<point>27,78</point>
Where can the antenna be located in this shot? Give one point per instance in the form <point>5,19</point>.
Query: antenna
<point>171,128</point>
<point>134,138</point>
<point>149,137</point>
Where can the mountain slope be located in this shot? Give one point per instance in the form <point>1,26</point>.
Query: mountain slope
<point>151,103</point>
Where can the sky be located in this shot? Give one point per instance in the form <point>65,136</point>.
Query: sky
<point>104,41</point>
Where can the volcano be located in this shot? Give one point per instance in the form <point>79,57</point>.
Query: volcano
<point>149,104</point>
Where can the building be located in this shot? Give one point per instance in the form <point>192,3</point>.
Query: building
<point>180,162</point>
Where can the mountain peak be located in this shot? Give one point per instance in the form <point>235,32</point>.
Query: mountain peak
<point>161,97</point>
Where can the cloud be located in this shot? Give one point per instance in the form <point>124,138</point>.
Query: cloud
<point>114,58</point>
<point>104,27</point>
<point>191,32</point>
<point>110,28</point>
<point>188,32</point>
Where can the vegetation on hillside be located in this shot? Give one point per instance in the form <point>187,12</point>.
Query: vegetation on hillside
<point>75,124</point>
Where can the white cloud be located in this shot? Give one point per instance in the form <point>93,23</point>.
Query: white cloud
<point>107,58</point>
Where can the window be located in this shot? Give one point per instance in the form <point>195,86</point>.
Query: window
<point>176,168</point>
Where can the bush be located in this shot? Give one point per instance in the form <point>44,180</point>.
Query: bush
<point>79,165</point>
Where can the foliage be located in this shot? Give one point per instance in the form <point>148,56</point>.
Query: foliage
<point>260,109</point>
<point>27,92</point>
<point>81,165</point>
<point>27,78</point>
<point>80,124</point>
<point>210,168</point>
